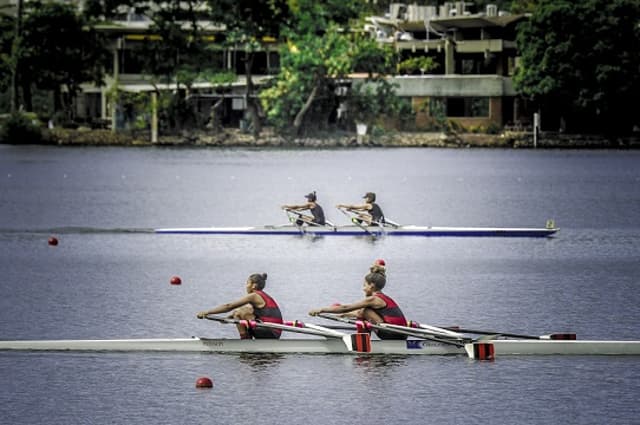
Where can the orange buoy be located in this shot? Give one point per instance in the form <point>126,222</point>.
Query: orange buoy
<point>53,241</point>
<point>175,280</point>
<point>204,382</point>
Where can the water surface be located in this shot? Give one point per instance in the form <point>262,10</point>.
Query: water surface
<point>109,278</point>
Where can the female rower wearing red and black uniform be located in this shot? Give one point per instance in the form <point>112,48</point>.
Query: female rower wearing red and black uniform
<point>376,307</point>
<point>256,305</point>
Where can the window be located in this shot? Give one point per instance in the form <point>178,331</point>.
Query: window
<point>467,107</point>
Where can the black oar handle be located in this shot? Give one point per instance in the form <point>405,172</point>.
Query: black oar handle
<point>506,334</point>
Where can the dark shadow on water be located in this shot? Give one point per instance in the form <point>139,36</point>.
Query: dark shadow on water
<point>260,361</point>
<point>373,362</point>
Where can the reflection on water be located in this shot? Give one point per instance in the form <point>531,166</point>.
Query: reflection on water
<point>367,362</point>
<point>260,361</point>
<point>373,362</point>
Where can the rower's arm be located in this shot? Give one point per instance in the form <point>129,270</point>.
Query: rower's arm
<point>224,308</point>
<point>296,207</point>
<point>363,207</point>
<point>370,302</point>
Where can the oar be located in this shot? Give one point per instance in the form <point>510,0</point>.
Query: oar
<point>391,223</point>
<point>357,223</point>
<point>558,336</point>
<point>310,223</point>
<point>354,342</point>
<point>398,330</point>
<point>255,324</point>
<point>478,349</point>
<point>293,220</point>
<point>429,330</point>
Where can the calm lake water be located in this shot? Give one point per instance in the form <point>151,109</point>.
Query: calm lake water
<point>109,278</point>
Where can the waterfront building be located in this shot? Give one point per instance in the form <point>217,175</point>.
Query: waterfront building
<point>471,86</point>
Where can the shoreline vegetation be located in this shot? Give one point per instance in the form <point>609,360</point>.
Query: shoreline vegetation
<point>238,138</point>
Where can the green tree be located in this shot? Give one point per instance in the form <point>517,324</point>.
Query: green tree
<point>57,51</point>
<point>176,47</point>
<point>105,9</point>
<point>308,66</point>
<point>8,40</point>
<point>321,51</point>
<point>580,62</point>
<point>247,24</point>
<point>174,51</point>
<point>418,65</point>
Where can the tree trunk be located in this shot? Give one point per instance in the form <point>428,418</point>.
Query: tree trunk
<point>15,58</point>
<point>27,97</point>
<point>57,101</point>
<point>252,108</point>
<point>297,122</point>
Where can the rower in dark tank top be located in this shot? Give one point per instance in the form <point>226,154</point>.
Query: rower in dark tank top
<point>368,213</point>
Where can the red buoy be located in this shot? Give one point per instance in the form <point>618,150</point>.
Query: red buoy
<point>175,280</point>
<point>53,241</point>
<point>204,382</point>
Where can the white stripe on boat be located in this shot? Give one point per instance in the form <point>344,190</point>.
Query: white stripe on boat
<point>351,230</point>
<point>326,346</point>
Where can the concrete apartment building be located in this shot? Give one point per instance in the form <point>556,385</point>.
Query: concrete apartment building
<point>476,53</point>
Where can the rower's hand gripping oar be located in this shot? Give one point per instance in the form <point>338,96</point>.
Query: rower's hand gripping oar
<point>309,222</point>
<point>356,222</point>
<point>353,342</point>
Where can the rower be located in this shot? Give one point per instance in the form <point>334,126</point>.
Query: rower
<point>255,306</point>
<point>369,213</point>
<point>317,213</point>
<point>375,308</point>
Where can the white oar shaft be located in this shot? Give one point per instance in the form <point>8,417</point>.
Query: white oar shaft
<point>437,330</point>
<point>402,330</point>
<point>329,333</point>
<point>325,330</point>
<point>417,334</point>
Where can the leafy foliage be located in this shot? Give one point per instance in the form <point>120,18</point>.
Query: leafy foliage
<point>418,65</point>
<point>21,128</point>
<point>247,24</point>
<point>320,53</point>
<point>57,50</point>
<point>180,49</point>
<point>7,35</point>
<point>581,61</point>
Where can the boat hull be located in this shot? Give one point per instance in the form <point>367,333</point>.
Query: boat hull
<point>366,231</point>
<point>324,346</point>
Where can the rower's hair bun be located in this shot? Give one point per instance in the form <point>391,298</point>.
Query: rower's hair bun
<point>260,279</point>
<point>377,268</point>
<point>377,278</point>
